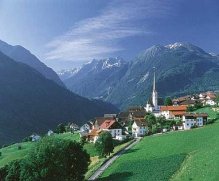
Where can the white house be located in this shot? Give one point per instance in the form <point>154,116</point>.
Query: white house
<point>202,95</point>
<point>139,128</point>
<point>50,132</point>
<point>173,112</point>
<point>35,137</point>
<point>86,127</point>
<point>113,127</point>
<point>194,119</point>
<point>210,102</point>
<point>74,127</point>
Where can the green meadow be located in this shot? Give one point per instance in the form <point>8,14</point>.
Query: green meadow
<point>12,152</point>
<point>176,156</point>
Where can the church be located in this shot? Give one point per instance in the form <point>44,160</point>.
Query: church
<point>154,108</point>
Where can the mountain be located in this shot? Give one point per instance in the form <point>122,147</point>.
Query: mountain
<point>20,54</point>
<point>181,68</point>
<point>68,73</point>
<point>31,103</point>
<point>97,78</point>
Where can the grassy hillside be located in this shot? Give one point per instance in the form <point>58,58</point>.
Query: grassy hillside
<point>212,114</point>
<point>187,155</point>
<point>12,152</point>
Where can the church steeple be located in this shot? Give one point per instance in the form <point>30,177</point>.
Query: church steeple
<point>154,83</point>
<point>154,93</point>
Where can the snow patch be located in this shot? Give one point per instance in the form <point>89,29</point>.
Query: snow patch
<point>130,80</point>
<point>175,45</point>
<point>144,78</point>
<point>107,64</point>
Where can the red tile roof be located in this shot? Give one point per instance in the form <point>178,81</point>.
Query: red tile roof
<point>107,124</point>
<point>94,132</point>
<point>100,120</point>
<point>174,108</point>
<point>178,113</point>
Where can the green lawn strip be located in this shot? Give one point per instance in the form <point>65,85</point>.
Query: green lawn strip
<point>68,136</point>
<point>212,114</point>
<point>12,152</point>
<point>191,155</point>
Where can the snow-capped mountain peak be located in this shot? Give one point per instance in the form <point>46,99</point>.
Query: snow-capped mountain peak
<point>175,45</point>
<point>110,63</point>
<point>67,73</point>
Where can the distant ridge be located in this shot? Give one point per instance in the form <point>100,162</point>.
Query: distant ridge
<point>31,103</point>
<point>182,68</point>
<point>20,54</point>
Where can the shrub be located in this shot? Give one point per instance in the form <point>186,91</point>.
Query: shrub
<point>19,147</point>
<point>3,173</point>
<point>83,140</point>
<point>194,126</point>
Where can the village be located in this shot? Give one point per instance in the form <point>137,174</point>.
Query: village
<point>138,121</point>
<point>134,123</point>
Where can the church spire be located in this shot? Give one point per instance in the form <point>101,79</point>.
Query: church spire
<point>154,84</point>
<point>154,93</point>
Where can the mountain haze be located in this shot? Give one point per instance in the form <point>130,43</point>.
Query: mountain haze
<point>181,68</point>
<point>31,103</point>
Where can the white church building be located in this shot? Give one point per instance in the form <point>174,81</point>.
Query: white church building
<point>154,108</point>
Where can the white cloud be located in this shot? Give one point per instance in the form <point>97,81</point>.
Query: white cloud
<point>98,37</point>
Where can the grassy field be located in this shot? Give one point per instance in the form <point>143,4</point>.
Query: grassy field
<point>183,155</point>
<point>208,110</point>
<point>96,162</point>
<point>12,152</point>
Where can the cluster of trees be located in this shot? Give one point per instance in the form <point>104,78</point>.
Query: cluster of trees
<point>63,128</point>
<point>157,124</point>
<point>51,159</point>
<point>104,144</point>
<point>168,101</point>
<point>196,106</point>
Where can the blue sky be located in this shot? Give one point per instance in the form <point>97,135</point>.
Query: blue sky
<point>68,33</point>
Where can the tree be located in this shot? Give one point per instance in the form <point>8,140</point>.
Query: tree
<point>150,119</point>
<point>3,172</point>
<point>60,128</point>
<point>130,123</point>
<point>83,140</point>
<point>104,144</point>
<point>168,101</point>
<point>14,169</point>
<point>161,120</point>
<point>190,109</point>
<point>198,105</point>
<point>52,159</point>
<point>217,99</point>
